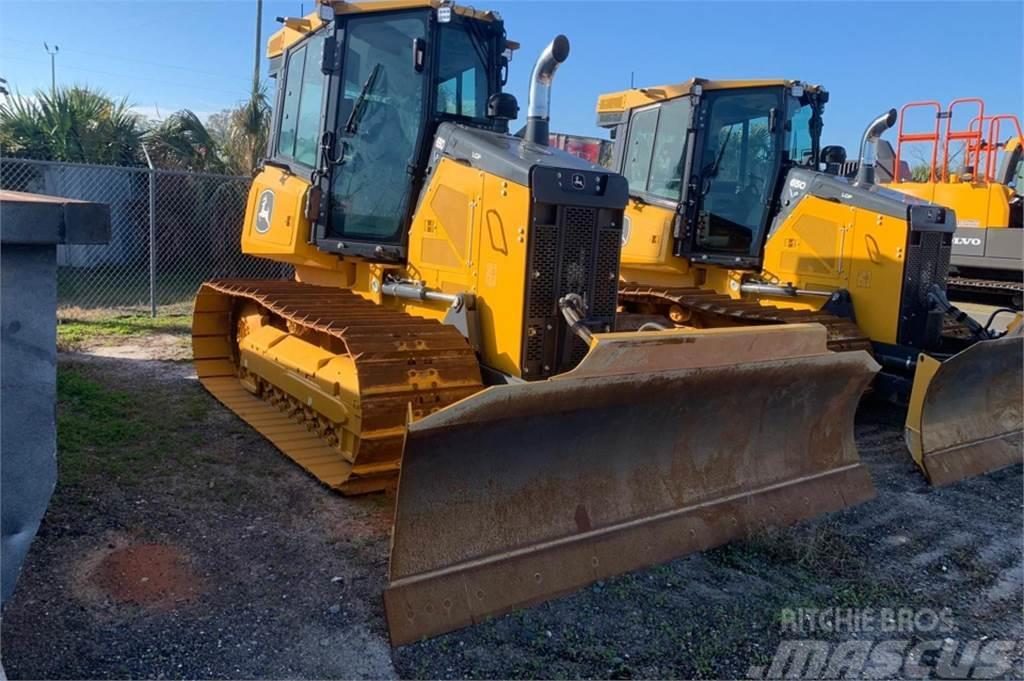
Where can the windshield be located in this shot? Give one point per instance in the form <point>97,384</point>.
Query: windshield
<point>739,159</point>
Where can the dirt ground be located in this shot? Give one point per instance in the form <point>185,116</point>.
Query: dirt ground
<point>180,544</point>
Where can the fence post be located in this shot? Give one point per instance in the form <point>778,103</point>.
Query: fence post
<point>152,233</point>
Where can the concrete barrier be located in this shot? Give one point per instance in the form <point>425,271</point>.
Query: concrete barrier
<point>31,228</point>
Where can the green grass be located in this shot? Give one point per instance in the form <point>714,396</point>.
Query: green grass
<point>118,435</point>
<point>74,332</point>
<point>95,426</point>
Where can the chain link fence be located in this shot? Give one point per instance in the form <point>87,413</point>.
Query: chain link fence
<point>170,231</point>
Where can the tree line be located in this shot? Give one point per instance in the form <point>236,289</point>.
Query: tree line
<point>81,124</point>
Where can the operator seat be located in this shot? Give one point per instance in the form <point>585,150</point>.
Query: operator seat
<point>884,158</point>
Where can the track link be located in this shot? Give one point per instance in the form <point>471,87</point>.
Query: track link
<point>998,285</point>
<point>338,378</point>
<point>843,334</point>
<point>1014,289</point>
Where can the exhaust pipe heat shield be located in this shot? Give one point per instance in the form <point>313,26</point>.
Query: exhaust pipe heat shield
<point>656,445</point>
<point>965,414</point>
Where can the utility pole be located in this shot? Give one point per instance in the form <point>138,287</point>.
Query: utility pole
<point>53,65</point>
<point>259,44</point>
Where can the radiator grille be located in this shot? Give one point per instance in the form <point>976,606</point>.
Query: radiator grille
<point>573,249</point>
<point>577,254</point>
<point>606,286</point>
<point>927,263</point>
<point>543,263</point>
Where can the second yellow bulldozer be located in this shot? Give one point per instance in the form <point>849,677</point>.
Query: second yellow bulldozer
<point>730,223</point>
<point>450,326</point>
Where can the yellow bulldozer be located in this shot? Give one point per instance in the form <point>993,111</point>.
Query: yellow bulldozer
<point>731,223</point>
<point>450,328</point>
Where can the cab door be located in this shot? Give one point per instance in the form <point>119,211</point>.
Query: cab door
<point>375,123</point>
<point>735,168</point>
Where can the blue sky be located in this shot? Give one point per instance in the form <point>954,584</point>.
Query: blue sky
<point>168,55</point>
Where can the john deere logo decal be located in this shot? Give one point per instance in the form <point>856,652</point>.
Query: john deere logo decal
<point>578,181</point>
<point>264,210</point>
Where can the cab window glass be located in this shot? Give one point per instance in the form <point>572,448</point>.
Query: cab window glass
<point>737,169</point>
<point>669,150</point>
<point>310,104</point>
<point>798,135</point>
<point>292,85</point>
<point>639,147</point>
<point>462,87</point>
<point>300,117</point>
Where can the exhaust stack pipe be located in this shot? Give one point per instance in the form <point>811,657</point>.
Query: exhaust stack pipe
<point>538,111</point>
<point>866,171</point>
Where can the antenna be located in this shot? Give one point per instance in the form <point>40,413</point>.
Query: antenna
<point>631,74</point>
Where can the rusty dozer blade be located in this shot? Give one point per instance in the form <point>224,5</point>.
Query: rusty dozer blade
<point>656,445</point>
<point>965,414</point>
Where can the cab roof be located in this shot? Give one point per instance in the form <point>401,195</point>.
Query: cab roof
<point>296,28</point>
<point>624,100</point>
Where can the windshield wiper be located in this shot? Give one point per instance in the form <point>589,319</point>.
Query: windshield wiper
<point>712,171</point>
<point>357,108</point>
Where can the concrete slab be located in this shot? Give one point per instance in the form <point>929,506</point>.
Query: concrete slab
<point>38,219</point>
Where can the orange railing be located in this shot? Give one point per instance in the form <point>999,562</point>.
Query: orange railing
<point>970,138</point>
<point>903,136</point>
<point>980,153</point>
<point>993,142</point>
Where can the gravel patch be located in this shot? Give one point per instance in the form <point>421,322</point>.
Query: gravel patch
<point>253,569</point>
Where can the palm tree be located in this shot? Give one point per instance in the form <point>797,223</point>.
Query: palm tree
<point>183,142</point>
<point>84,125</point>
<point>248,131</point>
<point>233,141</point>
<point>75,123</point>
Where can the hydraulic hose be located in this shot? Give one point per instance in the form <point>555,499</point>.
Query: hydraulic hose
<point>992,318</point>
<point>937,298</point>
<point>572,309</point>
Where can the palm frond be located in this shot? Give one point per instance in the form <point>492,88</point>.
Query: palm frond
<point>73,123</point>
